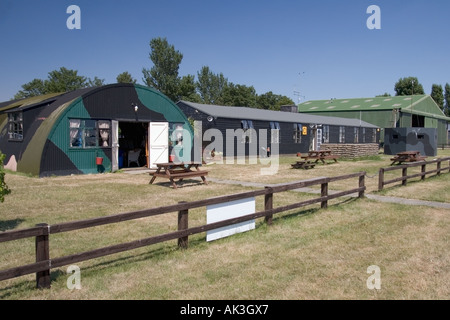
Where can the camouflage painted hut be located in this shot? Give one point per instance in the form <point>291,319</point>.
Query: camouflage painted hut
<point>89,130</point>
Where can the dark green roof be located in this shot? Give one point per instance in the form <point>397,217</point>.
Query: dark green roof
<point>418,104</point>
<point>22,103</point>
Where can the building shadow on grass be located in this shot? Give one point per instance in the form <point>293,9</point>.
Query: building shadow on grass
<point>10,224</point>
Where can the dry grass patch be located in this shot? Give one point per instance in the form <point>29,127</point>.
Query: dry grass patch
<point>285,173</point>
<point>306,254</point>
<point>434,188</point>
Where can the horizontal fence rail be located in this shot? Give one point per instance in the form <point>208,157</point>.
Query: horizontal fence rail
<point>404,178</point>
<point>41,232</point>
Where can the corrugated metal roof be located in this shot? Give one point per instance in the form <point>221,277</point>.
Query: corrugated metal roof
<point>418,104</point>
<point>32,102</point>
<point>246,113</point>
<point>27,102</point>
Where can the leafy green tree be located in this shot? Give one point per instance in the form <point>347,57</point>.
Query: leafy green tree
<point>4,190</point>
<point>239,95</point>
<point>187,89</point>
<point>211,86</point>
<point>271,101</point>
<point>64,80</point>
<point>283,101</point>
<point>408,86</point>
<point>437,93</point>
<point>96,82</point>
<point>384,95</point>
<point>61,80</point>
<point>447,99</point>
<point>163,76</point>
<point>125,77</point>
<point>33,88</point>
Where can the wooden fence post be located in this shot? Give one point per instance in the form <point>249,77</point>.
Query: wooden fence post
<point>439,167</point>
<point>43,280</point>
<point>423,171</point>
<point>183,224</point>
<point>324,193</point>
<point>381,179</point>
<point>404,175</point>
<point>268,205</point>
<point>361,185</point>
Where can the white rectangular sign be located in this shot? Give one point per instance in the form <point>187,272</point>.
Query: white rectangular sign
<point>230,210</point>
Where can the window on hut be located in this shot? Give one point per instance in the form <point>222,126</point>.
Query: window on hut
<point>247,127</point>
<point>326,134</point>
<point>374,135</point>
<point>297,133</point>
<point>356,135</point>
<point>341,134</point>
<point>15,126</point>
<point>85,134</point>
<point>275,132</point>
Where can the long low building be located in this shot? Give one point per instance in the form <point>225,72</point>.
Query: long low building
<point>418,111</point>
<point>293,132</point>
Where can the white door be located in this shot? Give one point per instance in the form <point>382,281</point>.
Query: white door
<point>318,139</point>
<point>158,143</point>
<point>115,146</point>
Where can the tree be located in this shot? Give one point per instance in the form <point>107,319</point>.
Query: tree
<point>188,89</point>
<point>163,76</point>
<point>437,93</point>
<point>64,80</point>
<point>239,95</point>
<point>4,190</point>
<point>96,82</point>
<point>211,86</point>
<point>447,99</point>
<point>408,86</point>
<point>33,88</point>
<point>271,101</point>
<point>125,77</point>
<point>61,80</point>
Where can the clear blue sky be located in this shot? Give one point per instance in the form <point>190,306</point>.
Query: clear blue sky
<point>266,44</point>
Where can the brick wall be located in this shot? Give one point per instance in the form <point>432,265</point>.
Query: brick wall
<point>351,150</point>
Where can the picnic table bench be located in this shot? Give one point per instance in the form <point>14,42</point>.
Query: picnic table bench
<point>178,171</point>
<point>305,164</point>
<point>321,155</point>
<point>407,156</point>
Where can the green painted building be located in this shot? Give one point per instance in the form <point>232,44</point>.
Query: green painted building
<point>385,112</point>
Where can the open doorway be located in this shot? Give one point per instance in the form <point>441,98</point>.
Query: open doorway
<point>133,144</point>
<point>418,121</point>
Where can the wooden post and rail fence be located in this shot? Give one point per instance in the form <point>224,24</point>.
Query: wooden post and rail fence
<point>44,263</point>
<point>404,168</point>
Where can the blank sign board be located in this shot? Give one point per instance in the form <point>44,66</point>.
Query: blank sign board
<point>230,210</point>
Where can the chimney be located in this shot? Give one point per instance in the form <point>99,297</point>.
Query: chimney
<point>289,108</point>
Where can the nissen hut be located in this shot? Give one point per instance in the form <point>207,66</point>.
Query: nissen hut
<point>91,130</point>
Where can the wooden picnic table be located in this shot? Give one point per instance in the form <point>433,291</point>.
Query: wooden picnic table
<point>304,164</point>
<point>173,170</point>
<point>407,156</point>
<point>320,155</point>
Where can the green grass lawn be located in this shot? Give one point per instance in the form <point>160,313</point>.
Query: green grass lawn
<point>306,254</point>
